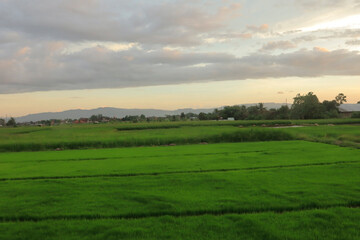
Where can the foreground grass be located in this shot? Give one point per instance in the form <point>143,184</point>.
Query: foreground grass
<point>331,224</point>
<point>175,159</point>
<point>262,190</point>
<point>249,191</point>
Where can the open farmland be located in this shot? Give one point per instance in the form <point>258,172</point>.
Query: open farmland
<point>177,119</point>
<point>191,132</point>
<point>250,190</point>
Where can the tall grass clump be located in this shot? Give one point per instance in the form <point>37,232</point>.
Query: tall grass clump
<point>240,135</point>
<point>244,123</point>
<point>253,135</point>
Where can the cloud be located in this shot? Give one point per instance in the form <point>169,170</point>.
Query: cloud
<point>321,5</point>
<point>348,33</point>
<point>163,22</point>
<point>8,36</point>
<point>274,45</point>
<point>327,34</point>
<point>305,38</point>
<point>227,36</point>
<point>258,29</point>
<point>100,67</point>
<point>23,51</point>
<point>353,42</point>
<point>321,49</point>
<point>87,44</point>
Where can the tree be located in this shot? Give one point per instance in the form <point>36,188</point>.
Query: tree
<point>2,122</point>
<point>261,108</point>
<point>227,112</point>
<point>330,109</point>
<point>95,118</point>
<point>358,102</point>
<point>202,116</point>
<point>253,112</point>
<point>306,107</point>
<point>11,122</point>
<point>340,99</point>
<point>283,112</point>
<point>242,113</point>
<point>182,116</point>
<point>257,112</point>
<point>330,105</point>
<point>216,114</point>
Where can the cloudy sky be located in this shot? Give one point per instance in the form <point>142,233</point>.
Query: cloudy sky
<point>58,55</point>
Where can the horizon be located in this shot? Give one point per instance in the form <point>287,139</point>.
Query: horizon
<point>157,109</point>
<point>204,54</point>
<point>53,103</point>
<point>176,109</point>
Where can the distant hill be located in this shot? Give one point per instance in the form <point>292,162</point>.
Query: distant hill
<point>120,112</point>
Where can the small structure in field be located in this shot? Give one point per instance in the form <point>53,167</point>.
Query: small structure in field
<point>347,110</point>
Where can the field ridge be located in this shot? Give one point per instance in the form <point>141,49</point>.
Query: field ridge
<point>189,213</point>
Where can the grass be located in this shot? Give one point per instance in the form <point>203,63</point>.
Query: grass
<point>164,125</point>
<point>280,189</point>
<point>342,135</point>
<point>250,186</point>
<point>244,123</point>
<point>109,137</point>
<point>147,134</point>
<point>331,224</point>
<point>189,158</point>
<point>260,190</point>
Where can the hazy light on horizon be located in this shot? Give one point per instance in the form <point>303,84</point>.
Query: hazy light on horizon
<point>195,95</point>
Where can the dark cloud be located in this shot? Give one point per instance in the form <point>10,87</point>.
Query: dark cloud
<point>100,67</point>
<point>163,22</point>
<point>49,45</point>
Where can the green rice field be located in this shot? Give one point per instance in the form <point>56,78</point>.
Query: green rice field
<point>184,182</point>
<point>86,136</point>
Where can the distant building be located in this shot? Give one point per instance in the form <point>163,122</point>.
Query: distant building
<point>346,110</point>
<point>83,120</point>
<point>231,119</point>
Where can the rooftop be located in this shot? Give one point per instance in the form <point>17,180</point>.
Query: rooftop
<point>349,108</point>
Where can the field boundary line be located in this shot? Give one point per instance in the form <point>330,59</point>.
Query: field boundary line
<point>189,213</point>
<point>175,172</point>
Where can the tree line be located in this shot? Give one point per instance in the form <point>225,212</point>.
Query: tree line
<point>305,106</point>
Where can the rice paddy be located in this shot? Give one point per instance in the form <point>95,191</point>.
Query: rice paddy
<point>249,188</point>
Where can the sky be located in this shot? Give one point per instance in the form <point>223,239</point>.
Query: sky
<point>168,54</point>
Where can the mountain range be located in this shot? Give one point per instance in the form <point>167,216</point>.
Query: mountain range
<point>121,112</point>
